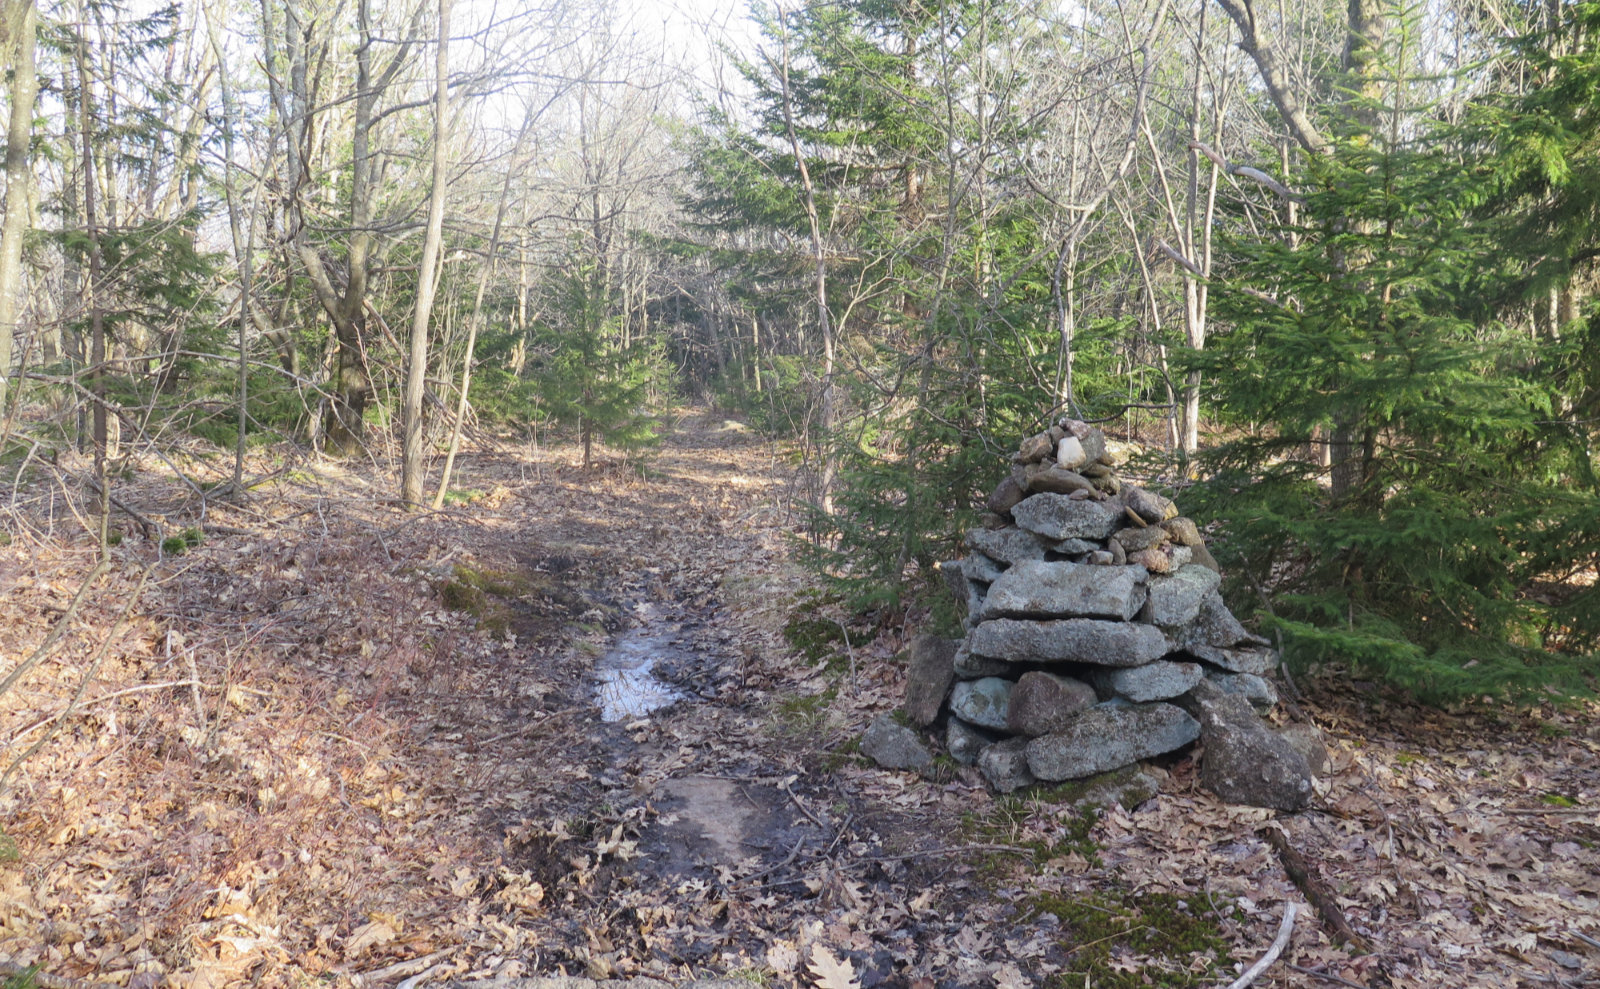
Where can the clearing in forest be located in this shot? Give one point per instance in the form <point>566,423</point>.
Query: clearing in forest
<point>332,742</point>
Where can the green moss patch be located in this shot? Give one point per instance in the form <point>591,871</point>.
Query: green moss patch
<point>1127,940</point>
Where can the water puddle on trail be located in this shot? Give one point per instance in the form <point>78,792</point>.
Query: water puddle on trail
<point>627,686</point>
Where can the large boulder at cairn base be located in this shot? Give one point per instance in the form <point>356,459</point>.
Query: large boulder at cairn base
<point>1057,516</point>
<point>894,746</point>
<point>1245,761</point>
<point>1036,589</point>
<point>1069,640</point>
<point>1005,765</point>
<point>1109,737</point>
<point>932,670</point>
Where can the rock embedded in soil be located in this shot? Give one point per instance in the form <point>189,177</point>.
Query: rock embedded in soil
<point>1005,765</point>
<point>1038,589</point>
<point>1246,762</point>
<point>1059,516</point>
<point>984,702</point>
<point>930,673</point>
<point>894,746</point>
<point>1069,640</point>
<point>1044,702</point>
<point>1109,737</point>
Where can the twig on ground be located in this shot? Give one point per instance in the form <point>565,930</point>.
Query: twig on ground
<point>803,808</point>
<point>141,688</point>
<point>1586,939</point>
<point>1535,811</point>
<point>1326,906</point>
<point>407,967</point>
<point>1325,976</point>
<point>931,852</point>
<point>1285,930</point>
<point>769,870</point>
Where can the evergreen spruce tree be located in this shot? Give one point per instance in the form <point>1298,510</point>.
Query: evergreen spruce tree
<point>1426,570</point>
<point>590,376</point>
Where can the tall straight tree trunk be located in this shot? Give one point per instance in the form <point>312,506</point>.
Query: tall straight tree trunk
<point>97,327</point>
<point>243,245</point>
<point>21,25</point>
<point>476,319</point>
<point>830,459</point>
<point>427,271</point>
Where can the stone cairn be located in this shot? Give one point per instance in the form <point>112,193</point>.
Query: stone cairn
<point>1095,638</point>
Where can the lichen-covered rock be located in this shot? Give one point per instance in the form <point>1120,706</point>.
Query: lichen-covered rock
<point>970,667</point>
<point>894,746</point>
<point>1199,554</point>
<point>1058,516</point>
<point>984,703</point>
<point>1246,762</point>
<point>1158,681</point>
<point>1152,559</point>
<point>1148,505</point>
<point>1037,589</point>
<point>1074,547</point>
<point>1107,737</point>
<point>1256,689</point>
<point>1005,765</point>
<point>1035,448</point>
<point>1307,740</point>
<point>1259,661</point>
<point>1043,702</point>
<point>1009,545</point>
<point>964,741</point>
<point>929,674</point>
<point>1212,625</point>
<point>1068,640</point>
<point>1055,479</point>
<point>1175,599</point>
<point>1183,531</point>
<point>1134,538</point>
<point>978,566</point>
<point>1005,496</point>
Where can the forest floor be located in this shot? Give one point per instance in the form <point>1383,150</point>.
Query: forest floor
<point>334,743</point>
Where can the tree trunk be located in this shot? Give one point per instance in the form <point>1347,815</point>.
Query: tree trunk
<point>427,272</point>
<point>21,25</point>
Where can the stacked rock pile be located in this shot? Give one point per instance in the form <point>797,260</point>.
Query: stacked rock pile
<point>1093,619</point>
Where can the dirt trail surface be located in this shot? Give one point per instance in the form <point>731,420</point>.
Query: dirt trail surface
<point>335,743</point>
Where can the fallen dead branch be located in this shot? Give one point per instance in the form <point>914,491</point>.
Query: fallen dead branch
<point>1285,930</point>
<point>1326,906</point>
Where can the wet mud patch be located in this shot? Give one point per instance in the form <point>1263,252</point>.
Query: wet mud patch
<point>706,822</point>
